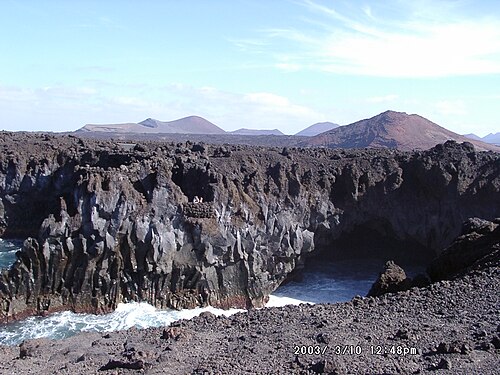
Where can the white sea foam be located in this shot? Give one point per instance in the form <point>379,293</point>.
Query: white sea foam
<point>277,301</point>
<point>333,282</point>
<point>126,315</point>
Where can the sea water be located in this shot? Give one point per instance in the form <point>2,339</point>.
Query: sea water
<point>8,251</point>
<point>329,282</point>
<point>322,282</point>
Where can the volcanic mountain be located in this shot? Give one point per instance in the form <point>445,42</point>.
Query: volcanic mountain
<point>244,131</point>
<point>473,136</point>
<point>186,125</point>
<point>317,128</point>
<point>390,129</point>
<point>492,138</point>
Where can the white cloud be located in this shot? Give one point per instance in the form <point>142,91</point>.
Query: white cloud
<point>67,108</point>
<point>45,98</point>
<point>255,110</point>
<point>10,94</point>
<point>278,109</point>
<point>368,11</point>
<point>420,46</point>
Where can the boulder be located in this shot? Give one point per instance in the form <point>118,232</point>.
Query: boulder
<point>392,279</point>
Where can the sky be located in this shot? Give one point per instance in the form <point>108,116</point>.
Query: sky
<point>257,64</point>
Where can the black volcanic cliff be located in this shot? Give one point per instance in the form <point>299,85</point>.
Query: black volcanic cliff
<point>111,222</point>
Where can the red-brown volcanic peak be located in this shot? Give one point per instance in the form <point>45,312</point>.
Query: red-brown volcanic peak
<point>391,129</point>
<point>186,125</point>
<point>189,125</point>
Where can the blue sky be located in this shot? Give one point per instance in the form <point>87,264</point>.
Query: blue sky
<point>257,64</point>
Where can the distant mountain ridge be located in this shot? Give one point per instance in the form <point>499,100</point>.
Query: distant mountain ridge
<point>493,138</point>
<point>473,136</point>
<point>390,129</point>
<point>318,128</point>
<point>186,125</point>
<point>244,131</point>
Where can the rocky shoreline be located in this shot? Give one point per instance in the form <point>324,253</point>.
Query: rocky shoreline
<point>449,327</point>
<point>110,222</point>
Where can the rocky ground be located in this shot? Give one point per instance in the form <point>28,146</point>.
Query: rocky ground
<point>450,327</point>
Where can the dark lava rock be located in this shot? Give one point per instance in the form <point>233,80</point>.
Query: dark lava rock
<point>444,364</point>
<point>447,348</point>
<point>420,280</point>
<point>139,148</point>
<point>24,350</point>
<point>402,333</point>
<point>478,245</point>
<point>496,341</point>
<point>392,279</point>
<point>114,364</point>
<point>475,224</point>
<point>318,367</point>
<point>175,333</point>
<point>105,222</point>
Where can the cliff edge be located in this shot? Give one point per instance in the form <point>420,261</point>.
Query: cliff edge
<point>184,225</point>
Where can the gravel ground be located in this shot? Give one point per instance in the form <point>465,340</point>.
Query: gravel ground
<point>450,327</point>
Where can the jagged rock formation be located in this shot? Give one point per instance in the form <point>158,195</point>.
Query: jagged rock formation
<point>392,279</point>
<point>112,223</point>
<point>478,244</point>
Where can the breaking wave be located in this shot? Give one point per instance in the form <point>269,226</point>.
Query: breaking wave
<point>322,283</point>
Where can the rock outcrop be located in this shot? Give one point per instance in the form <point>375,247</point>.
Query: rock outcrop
<point>478,245</point>
<point>110,222</point>
<point>392,279</point>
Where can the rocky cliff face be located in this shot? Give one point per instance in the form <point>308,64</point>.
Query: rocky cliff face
<point>477,246</point>
<point>110,222</point>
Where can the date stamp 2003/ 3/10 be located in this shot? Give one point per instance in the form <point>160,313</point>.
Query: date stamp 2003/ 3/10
<point>354,350</point>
